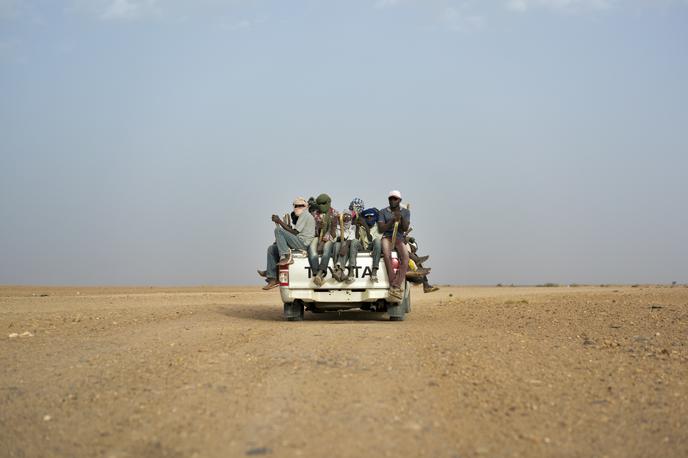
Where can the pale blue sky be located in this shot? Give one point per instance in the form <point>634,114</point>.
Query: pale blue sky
<point>149,141</point>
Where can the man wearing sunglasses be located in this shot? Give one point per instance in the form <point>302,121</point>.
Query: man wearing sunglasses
<point>287,238</point>
<point>388,216</point>
<point>368,239</point>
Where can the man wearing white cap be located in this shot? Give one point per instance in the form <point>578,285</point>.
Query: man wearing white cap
<point>287,238</point>
<point>388,216</point>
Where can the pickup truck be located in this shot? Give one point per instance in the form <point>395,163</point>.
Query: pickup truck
<point>299,292</point>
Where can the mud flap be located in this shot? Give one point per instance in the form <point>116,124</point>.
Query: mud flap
<point>293,311</point>
<point>397,311</point>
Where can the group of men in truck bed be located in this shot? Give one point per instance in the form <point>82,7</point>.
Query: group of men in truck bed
<point>323,233</point>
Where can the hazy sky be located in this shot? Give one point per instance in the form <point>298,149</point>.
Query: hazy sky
<point>149,141</point>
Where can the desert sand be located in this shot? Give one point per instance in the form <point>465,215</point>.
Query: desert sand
<point>216,372</point>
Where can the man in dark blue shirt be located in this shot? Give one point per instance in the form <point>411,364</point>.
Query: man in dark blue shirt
<point>388,217</point>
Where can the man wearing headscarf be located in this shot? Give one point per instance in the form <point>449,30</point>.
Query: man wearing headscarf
<point>340,250</point>
<point>325,225</point>
<point>388,217</point>
<point>356,206</point>
<point>344,240</point>
<point>312,205</point>
<point>298,237</point>
<point>368,239</point>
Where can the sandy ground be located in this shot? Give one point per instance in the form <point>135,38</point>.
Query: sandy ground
<point>130,372</point>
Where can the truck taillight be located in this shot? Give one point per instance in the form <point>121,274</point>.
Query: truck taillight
<point>284,277</point>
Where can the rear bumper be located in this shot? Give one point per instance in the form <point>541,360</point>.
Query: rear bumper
<point>333,296</point>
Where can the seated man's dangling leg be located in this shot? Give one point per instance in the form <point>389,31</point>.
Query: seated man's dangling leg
<point>387,255</point>
<point>344,260</point>
<point>354,246</point>
<point>293,242</point>
<point>283,246</point>
<point>273,254</point>
<point>272,259</point>
<point>386,246</point>
<point>313,260</point>
<point>335,257</point>
<point>270,273</point>
<point>325,259</point>
<point>321,267</point>
<point>376,252</point>
<point>402,252</point>
<point>427,287</point>
<point>337,261</point>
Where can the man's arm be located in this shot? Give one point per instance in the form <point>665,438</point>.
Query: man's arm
<point>277,220</point>
<point>383,226</point>
<point>405,221</point>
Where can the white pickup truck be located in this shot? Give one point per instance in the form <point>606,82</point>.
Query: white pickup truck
<point>300,293</point>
